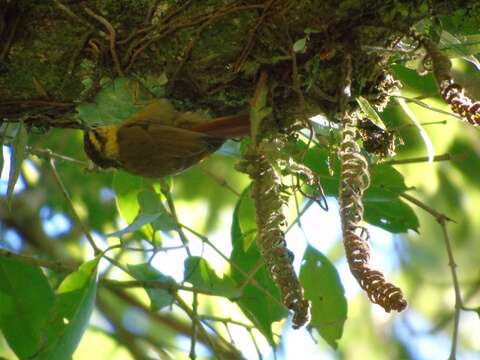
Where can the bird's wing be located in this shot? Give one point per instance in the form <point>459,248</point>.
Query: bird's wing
<point>156,150</point>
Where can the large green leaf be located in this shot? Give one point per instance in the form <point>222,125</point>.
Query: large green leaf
<point>200,274</point>
<point>127,187</point>
<point>25,301</point>
<point>71,313</point>
<point>387,184</point>
<point>262,307</point>
<point>159,298</point>
<point>324,289</point>
<point>115,102</point>
<point>395,217</point>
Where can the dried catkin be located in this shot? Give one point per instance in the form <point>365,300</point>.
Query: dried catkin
<point>452,93</point>
<point>354,181</point>
<point>269,203</point>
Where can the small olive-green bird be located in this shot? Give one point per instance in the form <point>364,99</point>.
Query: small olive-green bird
<point>159,141</point>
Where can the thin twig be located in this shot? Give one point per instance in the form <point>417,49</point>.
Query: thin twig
<point>438,216</point>
<point>426,106</point>
<point>153,284</point>
<point>437,158</point>
<point>442,221</point>
<point>55,266</point>
<point>179,301</point>
<point>221,181</point>
<point>173,212</point>
<point>49,154</point>
<point>193,337</point>
<point>72,207</point>
<point>234,265</point>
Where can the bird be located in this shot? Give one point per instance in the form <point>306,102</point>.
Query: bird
<point>159,141</point>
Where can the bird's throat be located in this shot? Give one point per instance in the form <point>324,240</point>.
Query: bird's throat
<point>101,146</point>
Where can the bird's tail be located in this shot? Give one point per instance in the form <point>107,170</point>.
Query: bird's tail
<point>233,126</point>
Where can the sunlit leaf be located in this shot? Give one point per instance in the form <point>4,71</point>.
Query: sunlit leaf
<point>324,289</point>
<point>456,48</point>
<point>370,112</point>
<point>159,298</point>
<point>127,187</point>
<point>200,274</point>
<point>71,313</point>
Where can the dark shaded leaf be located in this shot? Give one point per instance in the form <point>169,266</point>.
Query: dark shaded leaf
<point>396,216</point>
<point>25,301</point>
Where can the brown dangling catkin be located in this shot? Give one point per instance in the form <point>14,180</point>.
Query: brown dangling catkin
<point>269,202</point>
<point>452,93</point>
<point>354,181</point>
<point>271,241</point>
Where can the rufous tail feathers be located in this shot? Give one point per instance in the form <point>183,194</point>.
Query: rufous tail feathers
<point>233,126</point>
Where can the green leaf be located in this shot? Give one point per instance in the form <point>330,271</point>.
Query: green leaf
<point>71,313</point>
<point>25,301</point>
<point>159,298</point>
<point>396,216</point>
<point>152,212</point>
<point>200,274</point>
<point>370,112</point>
<point>150,203</point>
<point>246,220</point>
<point>324,289</point>
<point>262,307</point>
<point>383,207</point>
<point>300,45</point>
<point>140,221</point>
<point>456,49</point>
<point>115,102</point>
<point>127,187</point>
<point>19,147</point>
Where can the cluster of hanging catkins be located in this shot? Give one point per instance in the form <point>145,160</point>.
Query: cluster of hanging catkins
<point>354,180</point>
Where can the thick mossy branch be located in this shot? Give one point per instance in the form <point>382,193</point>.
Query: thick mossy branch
<point>210,53</point>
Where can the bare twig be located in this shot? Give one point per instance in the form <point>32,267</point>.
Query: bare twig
<point>437,158</point>
<point>72,207</point>
<point>442,221</point>
<point>56,266</point>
